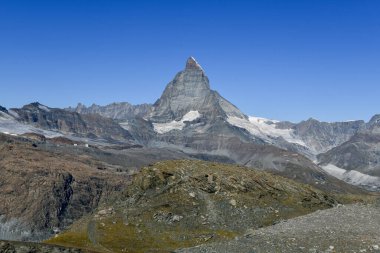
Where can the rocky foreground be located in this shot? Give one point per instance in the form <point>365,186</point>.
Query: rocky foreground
<point>184,203</point>
<point>350,228</point>
<point>24,247</point>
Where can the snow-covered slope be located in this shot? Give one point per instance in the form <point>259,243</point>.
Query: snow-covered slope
<point>353,177</point>
<point>162,128</point>
<point>265,129</point>
<point>9,125</point>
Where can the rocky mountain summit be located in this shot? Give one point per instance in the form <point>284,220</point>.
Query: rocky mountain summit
<point>190,91</point>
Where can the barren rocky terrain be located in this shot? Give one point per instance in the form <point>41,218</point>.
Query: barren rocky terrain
<point>345,228</point>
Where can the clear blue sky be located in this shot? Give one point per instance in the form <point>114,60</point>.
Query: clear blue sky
<point>287,60</point>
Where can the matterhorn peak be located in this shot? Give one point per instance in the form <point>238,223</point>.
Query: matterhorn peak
<point>190,91</point>
<point>192,64</point>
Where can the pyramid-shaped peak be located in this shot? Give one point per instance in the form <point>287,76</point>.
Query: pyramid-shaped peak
<point>192,64</point>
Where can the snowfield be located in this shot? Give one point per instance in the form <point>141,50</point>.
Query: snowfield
<point>265,128</point>
<point>162,128</point>
<point>352,176</point>
<point>8,125</point>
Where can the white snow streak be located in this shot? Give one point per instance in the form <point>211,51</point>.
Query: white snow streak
<point>162,128</point>
<point>352,176</point>
<point>44,108</point>
<point>8,125</point>
<point>265,129</point>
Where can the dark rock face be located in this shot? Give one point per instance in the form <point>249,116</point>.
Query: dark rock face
<point>3,109</point>
<point>71,122</point>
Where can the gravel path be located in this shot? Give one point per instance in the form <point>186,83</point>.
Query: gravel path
<point>351,228</point>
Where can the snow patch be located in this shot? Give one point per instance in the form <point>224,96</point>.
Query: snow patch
<point>162,128</point>
<point>265,128</point>
<point>10,126</point>
<point>4,116</point>
<point>352,176</point>
<point>13,113</point>
<point>125,125</point>
<point>44,108</point>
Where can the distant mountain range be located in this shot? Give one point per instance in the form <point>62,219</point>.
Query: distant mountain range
<point>192,118</point>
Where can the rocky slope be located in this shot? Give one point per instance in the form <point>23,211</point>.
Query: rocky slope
<point>176,204</point>
<point>42,191</point>
<point>351,228</point>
